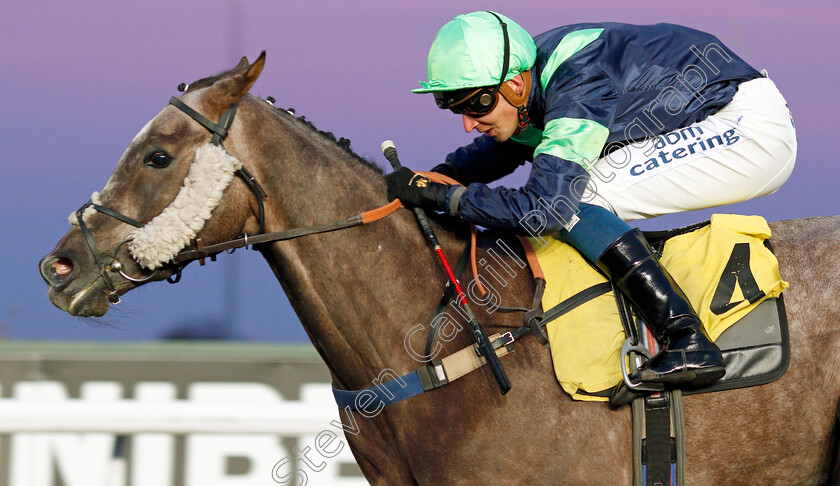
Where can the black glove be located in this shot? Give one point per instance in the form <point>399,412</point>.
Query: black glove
<point>416,190</point>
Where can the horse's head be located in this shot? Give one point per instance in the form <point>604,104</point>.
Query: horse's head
<point>158,199</point>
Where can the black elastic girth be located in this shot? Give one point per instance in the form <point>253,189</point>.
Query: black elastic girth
<point>659,450</point>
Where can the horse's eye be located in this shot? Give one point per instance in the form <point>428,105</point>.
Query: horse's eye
<point>159,159</point>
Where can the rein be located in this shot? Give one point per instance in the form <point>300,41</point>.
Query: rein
<point>201,252</point>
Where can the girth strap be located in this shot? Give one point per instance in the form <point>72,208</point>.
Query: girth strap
<point>436,374</point>
<point>658,447</point>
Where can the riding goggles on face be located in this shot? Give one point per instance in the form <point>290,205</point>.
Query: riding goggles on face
<point>477,101</point>
<point>469,101</point>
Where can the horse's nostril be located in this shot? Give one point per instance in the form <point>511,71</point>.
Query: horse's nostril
<point>56,270</point>
<point>62,267</point>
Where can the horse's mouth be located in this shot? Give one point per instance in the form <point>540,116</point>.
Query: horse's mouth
<point>90,301</point>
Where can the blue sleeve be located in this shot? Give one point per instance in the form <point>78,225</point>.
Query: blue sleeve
<point>547,202</point>
<point>486,160</point>
<point>571,141</point>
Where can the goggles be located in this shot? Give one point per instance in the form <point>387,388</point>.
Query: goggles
<point>471,101</point>
<point>476,101</point>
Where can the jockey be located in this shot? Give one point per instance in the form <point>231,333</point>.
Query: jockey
<point>620,122</point>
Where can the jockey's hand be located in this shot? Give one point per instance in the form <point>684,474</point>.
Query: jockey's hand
<point>416,190</point>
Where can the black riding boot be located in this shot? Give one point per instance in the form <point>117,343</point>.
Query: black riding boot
<point>688,358</point>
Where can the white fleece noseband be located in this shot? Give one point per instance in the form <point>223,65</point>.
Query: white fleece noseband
<point>171,231</point>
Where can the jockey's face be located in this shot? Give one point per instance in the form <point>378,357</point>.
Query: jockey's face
<point>503,120</point>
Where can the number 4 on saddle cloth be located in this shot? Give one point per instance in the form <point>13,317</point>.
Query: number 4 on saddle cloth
<point>729,273</point>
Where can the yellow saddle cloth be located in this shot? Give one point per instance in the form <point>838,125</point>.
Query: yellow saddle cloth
<point>712,265</point>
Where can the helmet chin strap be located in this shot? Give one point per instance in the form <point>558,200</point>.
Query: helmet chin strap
<point>524,118</point>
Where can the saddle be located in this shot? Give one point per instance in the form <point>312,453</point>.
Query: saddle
<point>727,268</point>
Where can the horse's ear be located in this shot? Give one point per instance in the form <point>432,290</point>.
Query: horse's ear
<point>252,72</point>
<point>231,88</point>
<point>243,63</point>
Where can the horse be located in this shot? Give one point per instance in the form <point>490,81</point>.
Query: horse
<point>360,292</point>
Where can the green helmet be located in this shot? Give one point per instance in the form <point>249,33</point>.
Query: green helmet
<point>468,52</point>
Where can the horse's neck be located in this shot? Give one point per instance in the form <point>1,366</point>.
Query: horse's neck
<point>356,291</point>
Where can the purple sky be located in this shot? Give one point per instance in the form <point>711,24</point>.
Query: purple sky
<point>79,80</point>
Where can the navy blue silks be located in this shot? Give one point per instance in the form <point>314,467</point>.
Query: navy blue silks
<point>637,81</point>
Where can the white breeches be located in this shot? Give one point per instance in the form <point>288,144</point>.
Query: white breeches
<point>745,150</point>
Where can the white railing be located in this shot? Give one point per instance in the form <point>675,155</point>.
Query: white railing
<point>174,417</point>
<point>83,441</point>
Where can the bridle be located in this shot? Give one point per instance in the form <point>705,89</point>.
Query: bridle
<point>220,132</point>
<point>197,251</point>
<point>115,265</point>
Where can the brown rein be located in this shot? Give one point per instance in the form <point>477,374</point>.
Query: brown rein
<point>200,251</point>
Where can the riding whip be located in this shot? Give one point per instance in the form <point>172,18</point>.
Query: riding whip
<point>484,347</point>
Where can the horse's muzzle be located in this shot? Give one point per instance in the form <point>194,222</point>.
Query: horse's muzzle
<point>70,288</point>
